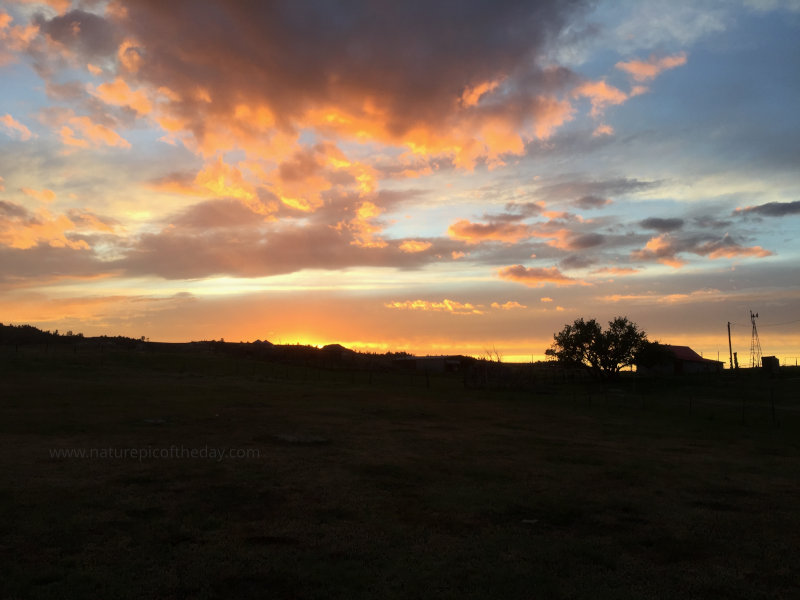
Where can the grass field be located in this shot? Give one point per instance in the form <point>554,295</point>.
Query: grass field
<point>389,485</point>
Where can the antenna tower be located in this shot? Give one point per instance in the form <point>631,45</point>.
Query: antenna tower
<point>755,345</point>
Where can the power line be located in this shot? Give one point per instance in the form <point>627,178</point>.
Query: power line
<point>735,324</point>
<point>777,324</point>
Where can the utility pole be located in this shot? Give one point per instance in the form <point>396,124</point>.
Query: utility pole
<point>730,348</point>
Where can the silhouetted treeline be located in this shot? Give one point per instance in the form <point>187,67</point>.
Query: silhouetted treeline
<point>330,356</point>
<point>27,334</point>
<point>333,356</point>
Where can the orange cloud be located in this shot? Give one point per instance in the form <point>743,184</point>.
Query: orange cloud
<point>414,246</point>
<point>665,248</point>
<point>662,249</point>
<point>474,233</point>
<point>652,298</point>
<point>449,306</point>
<point>118,93</point>
<point>364,228</point>
<point>557,239</point>
<point>472,95</point>
<point>41,195</point>
<point>217,179</point>
<point>564,239</point>
<point>14,39</point>
<point>27,230</point>
<point>83,219</point>
<point>536,276</point>
<point>600,94</point>
<point>552,114</point>
<point>12,126</point>
<point>603,129</point>
<point>658,244</point>
<point>642,70</point>
<point>615,271</point>
<point>672,261</point>
<point>129,55</point>
<point>225,181</point>
<point>734,251</point>
<point>301,180</point>
<point>82,132</point>
<point>466,134</point>
<point>93,314</point>
<point>510,305</point>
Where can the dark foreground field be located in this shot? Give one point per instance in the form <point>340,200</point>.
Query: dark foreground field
<point>351,485</point>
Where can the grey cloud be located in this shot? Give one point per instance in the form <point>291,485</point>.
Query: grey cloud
<point>707,222</point>
<point>216,213</point>
<point>727,246</point>
<point>86,33</point>
<point>586,240</point>
<point>661,224</point>
<point>771,209</point>
<point>182,254</point>
<point>303,164</point>
<point>580,189</point>
<point>182,178</point>
<point>85,218</point>
<point>44,260</point>
<point>577,261</point>
<point>413,58</point>
<point>9,209</point>
<point>515,212</point>
<point>589,202</point>
<point>69,91</point>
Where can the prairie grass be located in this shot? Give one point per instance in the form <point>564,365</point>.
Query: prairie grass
<point>407,486</point>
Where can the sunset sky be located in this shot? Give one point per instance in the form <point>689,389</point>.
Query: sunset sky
<point>435,177</point>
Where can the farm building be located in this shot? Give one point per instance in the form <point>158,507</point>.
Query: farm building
<point>683,360</point>
<point>433,364</point>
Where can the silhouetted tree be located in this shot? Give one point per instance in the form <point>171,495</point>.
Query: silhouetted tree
<point>602,353</point>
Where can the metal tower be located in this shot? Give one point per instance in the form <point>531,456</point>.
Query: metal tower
<point>755,345</point>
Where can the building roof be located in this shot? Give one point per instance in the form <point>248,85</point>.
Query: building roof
<point>437,357</point>
<point>687,354</point>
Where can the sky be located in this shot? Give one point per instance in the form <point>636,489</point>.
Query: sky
<point>432,177</point>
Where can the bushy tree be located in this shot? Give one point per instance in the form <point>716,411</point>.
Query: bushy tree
<point>602,353</point>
